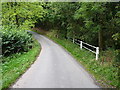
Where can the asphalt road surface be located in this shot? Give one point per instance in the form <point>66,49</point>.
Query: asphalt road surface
<point>54,68</point>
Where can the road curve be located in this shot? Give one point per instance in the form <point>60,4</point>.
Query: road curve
<point>54,68</point>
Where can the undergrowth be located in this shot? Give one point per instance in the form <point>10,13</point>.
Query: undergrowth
<point>16,64</point>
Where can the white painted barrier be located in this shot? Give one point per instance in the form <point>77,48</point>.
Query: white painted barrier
<point>82,46</point>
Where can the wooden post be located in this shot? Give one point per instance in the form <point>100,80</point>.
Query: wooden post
<point>97,52</point>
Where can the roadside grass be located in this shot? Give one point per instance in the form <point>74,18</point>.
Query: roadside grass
<point>106,74</point>
<point>17,64</point>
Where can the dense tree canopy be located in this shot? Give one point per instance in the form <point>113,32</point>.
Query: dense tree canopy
<point>97,23</point>
<point>21,13</point>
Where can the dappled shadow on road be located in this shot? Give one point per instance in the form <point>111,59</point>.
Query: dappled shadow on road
<point>40,30</point>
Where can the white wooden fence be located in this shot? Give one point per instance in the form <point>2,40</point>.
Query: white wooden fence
<point>81,44</point>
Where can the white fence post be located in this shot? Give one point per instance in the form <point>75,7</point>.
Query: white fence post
<point>81,44</point>
<point>97,52</point>
<point>73,40</point>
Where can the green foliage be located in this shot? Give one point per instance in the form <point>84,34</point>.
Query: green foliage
<point>22,14</point>
<point>15,40</point>
<point>98,20</point>
<point>96,23</point>
<point>17,64</point>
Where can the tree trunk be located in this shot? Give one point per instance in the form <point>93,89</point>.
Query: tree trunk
<point>17,22</point>
<point>100,37</point>
<point>16,16</point>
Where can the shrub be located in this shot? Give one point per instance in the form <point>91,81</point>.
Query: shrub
<point>110,56</point>
<point>15,40</point>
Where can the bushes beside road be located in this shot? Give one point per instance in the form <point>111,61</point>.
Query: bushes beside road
<point>15,40</point>
<point>19,51</point>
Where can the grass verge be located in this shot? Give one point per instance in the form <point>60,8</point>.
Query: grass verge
<point>104,73</point>
<point>17,64</point>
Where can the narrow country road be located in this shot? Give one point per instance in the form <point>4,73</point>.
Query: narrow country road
<point>54,68</point>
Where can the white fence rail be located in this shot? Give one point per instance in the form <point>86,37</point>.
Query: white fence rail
<point>81,44</point>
